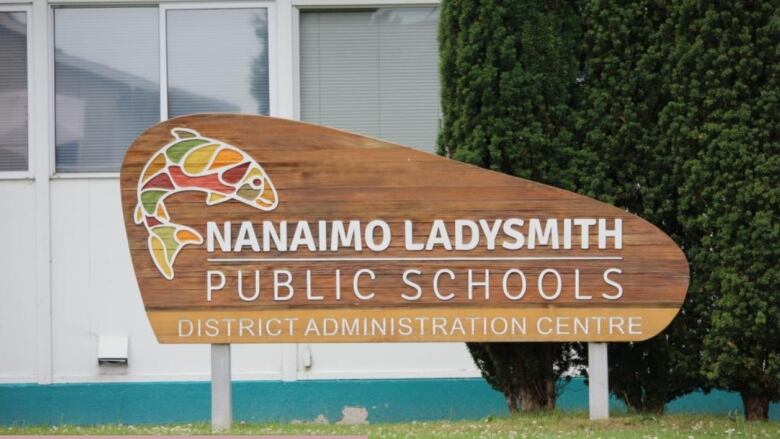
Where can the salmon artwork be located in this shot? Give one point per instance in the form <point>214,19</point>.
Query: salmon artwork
<point>191,162</point>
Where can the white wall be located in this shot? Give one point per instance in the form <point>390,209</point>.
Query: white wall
<point>17,282</point>
<point>93,293</point>
<point>385,360</point>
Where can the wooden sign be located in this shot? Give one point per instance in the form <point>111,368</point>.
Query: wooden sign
<point>249,229</point>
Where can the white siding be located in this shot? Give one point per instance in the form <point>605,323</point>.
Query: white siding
<point>94,293</point>
<point>386,360</point>
<point>17,282</point>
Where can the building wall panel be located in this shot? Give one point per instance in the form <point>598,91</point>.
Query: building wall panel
<point>17,282</point>
<point>94,293</point>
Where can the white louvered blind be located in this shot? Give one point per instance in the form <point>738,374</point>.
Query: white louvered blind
<point>372,72</point>
<point>13,91</point>
<point>107,84</point>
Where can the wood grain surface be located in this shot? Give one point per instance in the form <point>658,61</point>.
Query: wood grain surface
<point>326,174</point>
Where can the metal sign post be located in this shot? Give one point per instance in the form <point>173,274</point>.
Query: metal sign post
<point>598,378</point>
<point>221,395</point>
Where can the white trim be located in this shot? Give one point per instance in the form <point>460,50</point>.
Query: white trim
<point>296,55</point>
<point>85,175</point>
<point>283,89</point>
<point>98,3</point>
<point>41,141</point>
<point>273,65</point>
<point>348,374</point>
<point>52,141</point>
<point>126,376</point>
<point>363,3</point>
<point>285,58</point>
<point>345,374</point>
<point>27,174</point>
<point>19,175</point>
<point>17,379</point>
<point>31,152</point>
<point>162,68</point>
<point>333,374</point>
<point>212,4</point>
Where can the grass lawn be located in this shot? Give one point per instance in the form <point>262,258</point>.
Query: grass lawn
<point>551,425</point>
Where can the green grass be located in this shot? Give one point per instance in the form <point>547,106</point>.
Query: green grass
<point>552,425</point>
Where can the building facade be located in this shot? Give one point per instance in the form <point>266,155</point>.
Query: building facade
<point>79,80</point>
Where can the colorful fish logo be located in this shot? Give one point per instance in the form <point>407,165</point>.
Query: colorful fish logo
<point>192,162</point>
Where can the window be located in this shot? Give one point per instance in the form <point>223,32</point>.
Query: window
<point>217,61</point>
<point>107,73</point>
<point>372,72</point>
<point>13,92</point>
<point>107,84</point>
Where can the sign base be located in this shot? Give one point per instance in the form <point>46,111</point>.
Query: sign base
<point>598,381</point>
<point>221,395</point>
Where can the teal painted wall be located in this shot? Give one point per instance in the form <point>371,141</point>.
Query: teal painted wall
<point>385,400</point>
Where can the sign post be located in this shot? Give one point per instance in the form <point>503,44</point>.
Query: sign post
<point>251,229</point>
<point>598,381</point>
<point>221,392</point>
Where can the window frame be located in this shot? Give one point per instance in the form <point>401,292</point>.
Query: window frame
<point>271,16</point>
<point>28,173</point>
<point>162,10</point>
<point>299,6</point>
<point>295,28</point>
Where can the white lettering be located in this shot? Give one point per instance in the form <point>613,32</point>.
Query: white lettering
<point>618,287</point>
<point>370,235</point>
<point>523,283</point>
<point>210,287</point>
<point>287,283</point>
<point>549,235</point>
<point>558,286</point>
<point>409,237</point>
<point>460,242</point>
<point>436,291</point>
<point>356,286</point>
<point>616,234</point>
<point>414,285</point>
<point>223,239</point>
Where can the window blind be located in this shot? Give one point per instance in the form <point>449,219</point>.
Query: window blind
<point>13,91</point>
<point>372,72</point>
<point>107,84</point>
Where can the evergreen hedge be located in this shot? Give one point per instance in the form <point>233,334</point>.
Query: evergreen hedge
<point>667,109</point>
